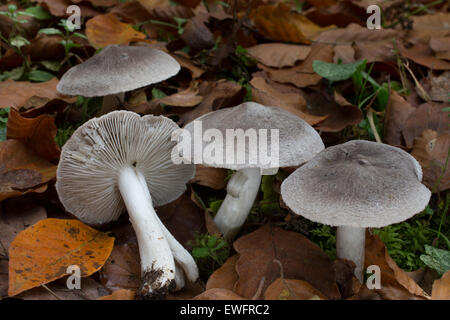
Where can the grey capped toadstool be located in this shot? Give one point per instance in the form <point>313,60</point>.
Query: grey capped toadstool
<point>295,143</point>
<point>122,160</point>
<point>356,185</point>
<point>116,70</point>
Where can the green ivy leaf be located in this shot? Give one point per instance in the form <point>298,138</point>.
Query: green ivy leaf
<point>40,76</point>
<point>51,31</point>
<point>38,12</point>
<point>337,72</point>
<point>436,259</point>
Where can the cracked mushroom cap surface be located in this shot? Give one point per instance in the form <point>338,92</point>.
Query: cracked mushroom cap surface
<point>91,160</point>
<point>358,184</point>
<point>118,69</point>
<point>298,141</point>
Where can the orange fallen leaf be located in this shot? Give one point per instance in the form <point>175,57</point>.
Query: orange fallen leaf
<point>22,171</point>
<point>16,93</point>
<point>42,253</point>
<point>289,289</point>
<point>107,29</point>
<point>279,22</point>
<point>441,288</point>
<point>122,294</point>
<point>37,133</point>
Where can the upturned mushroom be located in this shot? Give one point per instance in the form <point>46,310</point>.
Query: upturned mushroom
<point>353,186</point>
<point>291,142</point>
<point>116,70</point>
<point>122,160</point>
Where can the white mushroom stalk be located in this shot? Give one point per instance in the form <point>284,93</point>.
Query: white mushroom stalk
<point>350,245</point>
<point>157,262</point>
<point>123,161</point>
<point>242,190</point>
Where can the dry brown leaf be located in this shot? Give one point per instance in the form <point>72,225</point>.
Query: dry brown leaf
<point>441,288</point>
<point>216,95</point>
<point>279,55</point>
<point>16,93</point>
<point>183,218</point>
<point>226,276</point>
<point>340,14</point>
<point>300,259</point>
<point>210,177</point>
<point>122,294</point>
<point>426,116</point>
<point>100,3</point>
<point>280,23</point>
<point>22,171</point>
<point>186,63</point>
<point>397,112</point>
<point>107,29</point>
<point>265,94</point>
<point>218,294</point>
<point>440,87</point>
<point>42,253</point>
<point>344,53</point>
<point>151,4</point>
<point>59,8</point>
<point>441,47</point>
<point>372,45</point>
<point>289,289</point>
<point>429,26</point>
<point>302,75</point>
<point>345,278</point>
<point>196,34</point>
<point>90,290</point>
<point>340,113</point>
<point>122,270</point>
<point>422,54</point>
<point>431,150</point>
<point>392,288</point>
<point>404,279</point>
<point>37,133</point>
<point>185,98</point>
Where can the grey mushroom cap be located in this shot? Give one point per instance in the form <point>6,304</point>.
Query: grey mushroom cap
<point>298,141</point>
<point>357,184</point>
<point>118,69</point>
<point>93,157</point>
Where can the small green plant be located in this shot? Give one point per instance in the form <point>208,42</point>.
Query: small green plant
<point>210,252</point>
<point>325,237</point>
<point>68,41</point>
<point>63,134</point>
<point>3,123</point>
<point>17,40</point>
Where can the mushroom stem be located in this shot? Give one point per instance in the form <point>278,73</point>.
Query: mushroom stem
<point>180,254</point>
<point>111,102</point>
<point>350,245</point>
<point>157,262</point>
<point>241,193</point>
